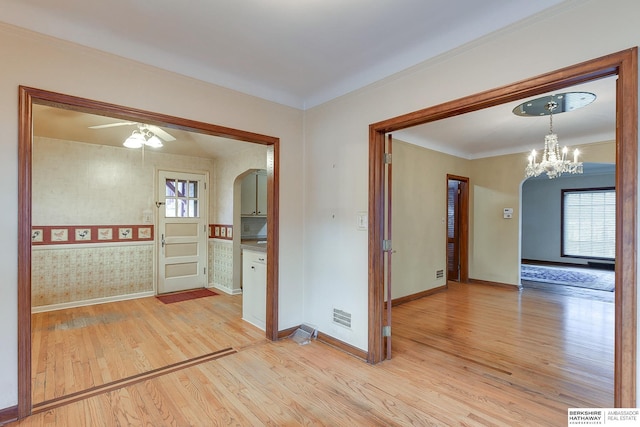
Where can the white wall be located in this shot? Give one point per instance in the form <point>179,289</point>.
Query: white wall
<point>336,146</point>
<point>49,64</point>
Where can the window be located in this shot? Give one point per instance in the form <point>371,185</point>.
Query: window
<point>589,223</point>
<point>181,198</point>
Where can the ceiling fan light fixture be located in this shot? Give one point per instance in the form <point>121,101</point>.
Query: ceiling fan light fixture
<point>136,140</point>
<point>153,141</point>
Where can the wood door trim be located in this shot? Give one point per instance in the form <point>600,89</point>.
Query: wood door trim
<point>624,64</point>
<point>27,97</point>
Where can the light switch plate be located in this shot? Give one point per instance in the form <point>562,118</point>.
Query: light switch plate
<point>362,220</point>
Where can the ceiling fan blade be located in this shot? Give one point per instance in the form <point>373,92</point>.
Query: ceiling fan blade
<point>110,125</point>
<point>160,133</point>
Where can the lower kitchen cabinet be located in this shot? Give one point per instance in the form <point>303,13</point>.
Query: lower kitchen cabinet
<point>254,287</point>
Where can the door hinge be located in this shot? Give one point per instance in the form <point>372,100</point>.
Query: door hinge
<point>205,271</point>
<point>386,245</point>
<point>386,331</point>
<point>387,158</point>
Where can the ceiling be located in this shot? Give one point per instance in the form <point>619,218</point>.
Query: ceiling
<point>498,131</point>
<point>299,53</point>
<point>303,53</point>
<point>69,125</point>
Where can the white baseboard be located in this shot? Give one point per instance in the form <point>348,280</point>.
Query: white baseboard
<point>225,289</point>
<point>74,304</point>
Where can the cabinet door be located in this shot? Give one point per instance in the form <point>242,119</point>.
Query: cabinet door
<point>254,288</point>
<point>261,194</point>
<point>248,195</point>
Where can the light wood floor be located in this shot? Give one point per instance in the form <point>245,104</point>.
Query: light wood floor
<point>81,348</point>
<point>471,355</point>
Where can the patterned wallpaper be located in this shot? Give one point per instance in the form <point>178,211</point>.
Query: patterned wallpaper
<point>80,273</point>
<point>221,264</point>
<point>63,275</point>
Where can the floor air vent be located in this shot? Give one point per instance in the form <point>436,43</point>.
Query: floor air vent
<point>304,334</point>
<point>341,317</point>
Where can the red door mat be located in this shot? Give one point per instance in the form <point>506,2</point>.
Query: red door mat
<point>185,296</point>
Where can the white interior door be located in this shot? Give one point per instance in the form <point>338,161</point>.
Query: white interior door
<point>182,231</point>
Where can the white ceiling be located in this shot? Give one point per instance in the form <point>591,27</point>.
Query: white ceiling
<point>497,131</point>
<point>302,53</point>
<point>296,52</point>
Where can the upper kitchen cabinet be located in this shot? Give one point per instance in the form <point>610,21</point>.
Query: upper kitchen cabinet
<point>254,194</point>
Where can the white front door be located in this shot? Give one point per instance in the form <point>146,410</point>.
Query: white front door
<point>182,231</point>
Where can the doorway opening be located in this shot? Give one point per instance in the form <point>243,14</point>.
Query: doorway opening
<point>31,98</point>
<point>624,65</point>
<point>560,251</point>
<point>457,228</point>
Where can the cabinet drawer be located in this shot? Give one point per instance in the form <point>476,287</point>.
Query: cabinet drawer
<point>254,256</point>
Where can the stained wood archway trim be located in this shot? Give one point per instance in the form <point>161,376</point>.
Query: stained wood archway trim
<point>624,64</point>
<point>27,97</point>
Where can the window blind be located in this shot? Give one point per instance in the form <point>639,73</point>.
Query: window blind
<point>589,223</point>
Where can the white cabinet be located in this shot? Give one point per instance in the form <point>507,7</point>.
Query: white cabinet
<point>254,287</point>
<point>254,194</point>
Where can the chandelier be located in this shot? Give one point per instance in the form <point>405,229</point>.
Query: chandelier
<point>554,161</point>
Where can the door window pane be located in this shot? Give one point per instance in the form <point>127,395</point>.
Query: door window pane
<point>181,200</point>
<point>170,208</point>
<point>181,188</point>
<point>170,186</point>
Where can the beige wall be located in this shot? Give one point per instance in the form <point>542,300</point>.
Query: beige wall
<point>50,64</point>
<point>493,247</point>
<point>419,216</point>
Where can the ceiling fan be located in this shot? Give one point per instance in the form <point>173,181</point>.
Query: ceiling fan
<point>148,135</point>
